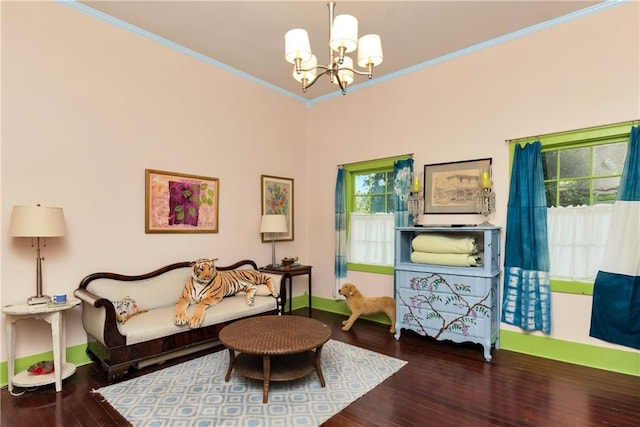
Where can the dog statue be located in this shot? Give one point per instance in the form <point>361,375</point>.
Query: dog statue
<point>359,304</point>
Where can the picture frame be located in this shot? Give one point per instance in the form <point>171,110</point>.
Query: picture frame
<point>452,188</point>
<point>276,197</point>
<point>180,203</point>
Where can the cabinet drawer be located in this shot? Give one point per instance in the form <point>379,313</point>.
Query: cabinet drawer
<point>446,283</point>
<point>442,325</point>
<point>451,302</point>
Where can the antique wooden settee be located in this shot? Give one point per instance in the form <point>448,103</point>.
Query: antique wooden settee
<point>150,336</point>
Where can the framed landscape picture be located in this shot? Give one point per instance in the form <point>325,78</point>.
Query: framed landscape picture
<point>277,199</point>
<point>180,203</point>
<point>452,188</point>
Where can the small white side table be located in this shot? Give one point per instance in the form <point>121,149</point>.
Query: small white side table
<point>55,317</point>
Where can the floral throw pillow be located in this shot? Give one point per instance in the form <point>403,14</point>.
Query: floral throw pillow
<point>126,308</point>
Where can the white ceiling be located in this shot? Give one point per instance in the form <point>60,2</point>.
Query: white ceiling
<point>248,36</point>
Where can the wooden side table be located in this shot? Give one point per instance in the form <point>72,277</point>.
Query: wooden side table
<point>294,270</point>
<point>54,315</point>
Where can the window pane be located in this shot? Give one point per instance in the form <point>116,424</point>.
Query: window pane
<point>378,183</point>
<point>550,164</point>
<point>391,206</point>
<point>574,192</point>
<point>389,178</point>
<point>378,204</point>
<point>609,159</point>
<point>363,204</point>
<point>551,189</point>
<point>362,184</point>
<point>605,190</point>
<point>575,162</point>
<point>374,191</point>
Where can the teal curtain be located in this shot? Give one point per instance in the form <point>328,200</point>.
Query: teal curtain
<point>527,296</point>
<point>340,264</point>
<point>402,173</point>
<point>615,313</point>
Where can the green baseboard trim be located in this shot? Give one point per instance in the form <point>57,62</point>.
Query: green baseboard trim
<point>76,355</point>
<point>624,362</point>
<point>301,301</point>
<point>340,307</point>
<point>609,359</point>
<point>620,361</point>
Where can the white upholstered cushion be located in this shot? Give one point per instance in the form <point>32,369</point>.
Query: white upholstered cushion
<point>158,322</point>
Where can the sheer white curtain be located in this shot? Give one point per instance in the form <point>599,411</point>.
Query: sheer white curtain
<point>371,238</point>
<point>577,238</point>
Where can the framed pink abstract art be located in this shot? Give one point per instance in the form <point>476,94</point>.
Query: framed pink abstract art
<point>180,203</point>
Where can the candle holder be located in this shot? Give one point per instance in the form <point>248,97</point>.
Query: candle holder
<point>486,204</point>
<point>486,199</point>
<point>415,206</point>
<point>415,201</point>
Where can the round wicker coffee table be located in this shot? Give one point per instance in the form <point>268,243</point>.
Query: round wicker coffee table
<point>275,348</point>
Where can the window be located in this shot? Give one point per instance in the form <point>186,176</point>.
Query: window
<point>373,192</point>
<point>370,215</point>
<point>582,171</point>
<point>586,175</point>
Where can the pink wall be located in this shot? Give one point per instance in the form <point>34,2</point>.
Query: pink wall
<point>86,107</point>
<point>580,74</point>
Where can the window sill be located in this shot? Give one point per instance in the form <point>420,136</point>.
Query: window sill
<point>569,287</point>
<point>368,268</point>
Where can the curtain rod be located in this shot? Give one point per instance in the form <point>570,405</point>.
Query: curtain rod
<point>535,137</point>
<point>382,158</point>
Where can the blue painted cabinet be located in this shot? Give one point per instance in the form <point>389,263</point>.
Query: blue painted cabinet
<point>460,303</point>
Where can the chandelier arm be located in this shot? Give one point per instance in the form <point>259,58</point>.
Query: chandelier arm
<point>360,73</point>
<point>315,79</point>
<point>317,67</point>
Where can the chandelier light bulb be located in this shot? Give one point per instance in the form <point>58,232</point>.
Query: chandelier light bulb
<point>297,46</point>
<point>370,50</point>
<point>344,33</point>
<point>345,75</point>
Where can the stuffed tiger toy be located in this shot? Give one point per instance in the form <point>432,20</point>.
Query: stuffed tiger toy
<point>207,286</point>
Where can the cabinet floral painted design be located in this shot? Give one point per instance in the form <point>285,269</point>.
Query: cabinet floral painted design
<point>428,303</point>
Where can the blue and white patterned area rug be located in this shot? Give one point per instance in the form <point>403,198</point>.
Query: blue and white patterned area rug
<point>194,393</point>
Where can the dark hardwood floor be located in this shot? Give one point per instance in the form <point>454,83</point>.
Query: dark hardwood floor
<point>444,384</point>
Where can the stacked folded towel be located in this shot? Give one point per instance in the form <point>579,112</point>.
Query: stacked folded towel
<point>457,260</point>
<point>446,249</point>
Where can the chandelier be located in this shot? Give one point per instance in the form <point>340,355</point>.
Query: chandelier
<point>343,39</point>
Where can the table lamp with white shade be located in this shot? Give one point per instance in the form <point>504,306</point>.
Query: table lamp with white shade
<point>37,222</point>
<point>273,224</point>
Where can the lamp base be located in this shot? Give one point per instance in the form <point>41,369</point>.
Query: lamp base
<point>38,300</point>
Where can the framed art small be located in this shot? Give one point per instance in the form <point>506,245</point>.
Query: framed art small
<point>180,203</point>
<point>277,199</point>
<point>452,188</point>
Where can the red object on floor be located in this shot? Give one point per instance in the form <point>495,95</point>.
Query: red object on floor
<point>41,368</point>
